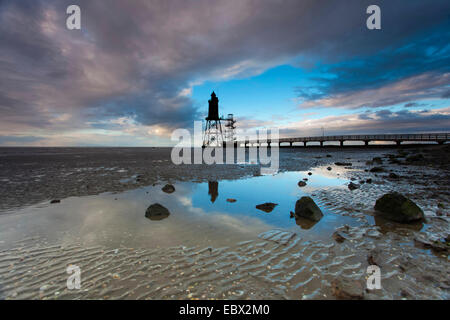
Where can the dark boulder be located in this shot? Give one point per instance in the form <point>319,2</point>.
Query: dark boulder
<point>347,289</point>
<point>343,164</point>
<point>339,237</point>
<point>393,175</point>
<point>55,201</point>
<point>266,207</point>
<point>157,212</point>
<point>301,183</point>
<point>353,186</point>
<point>438,245</point>
<point>377,160</point>
<point>168,188</point>
<point>305,207</point>
<point>398,208</point>
<point>376,169</point>
<point>415,158</point>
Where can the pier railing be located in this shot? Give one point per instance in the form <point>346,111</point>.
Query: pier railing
<point>397,138</point>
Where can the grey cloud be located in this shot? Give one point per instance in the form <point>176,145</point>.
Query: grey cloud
<point>134,57</point>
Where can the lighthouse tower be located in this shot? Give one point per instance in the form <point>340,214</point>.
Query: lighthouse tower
<point>213,135</point>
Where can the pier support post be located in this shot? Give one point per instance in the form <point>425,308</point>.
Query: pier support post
<point>341,143</point>
<point>366,142</point>
<point>321,143</point>
<point>398,142</point>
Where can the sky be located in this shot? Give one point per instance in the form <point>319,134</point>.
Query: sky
<point>139,69</point>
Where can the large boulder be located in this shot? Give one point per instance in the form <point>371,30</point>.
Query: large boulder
<point>157,212</point>
<point>398,208</point>
<point>305,207</point>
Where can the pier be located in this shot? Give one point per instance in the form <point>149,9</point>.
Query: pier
<point>398,139</point>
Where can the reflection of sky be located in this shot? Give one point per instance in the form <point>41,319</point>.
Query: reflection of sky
<point>281,189</point>
<point>119,219</point>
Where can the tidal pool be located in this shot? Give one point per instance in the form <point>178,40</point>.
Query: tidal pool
<point>199,214</point>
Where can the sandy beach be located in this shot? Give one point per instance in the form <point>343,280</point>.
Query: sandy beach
<point>214,243</point>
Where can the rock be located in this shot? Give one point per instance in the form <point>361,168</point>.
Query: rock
<point>307,208</point>
<point>395,161</point>
<point>372,259</point>
<point>329,168</point>
<point>376,169</point>
<point>292,214</point>
<point>407,293</point>
<point>157,212</point>
<point>328,155</point>
<point>309,173</point>
<point>55,201</point>
<point>415,158</point>
<point>168,188</point>
<point>377,160</point>
<point>339,237</point>
<point>441,205</point>
<point>353,186</point>
<point>435,245</point>
<point>369,181</point>
<point>393,175</point>
<point>305,179</point>
<point>396,207</point>
<point>301,183</point>
<point>266,207</point>
<point>231,200</point>
<point>347,289</point>
<point>343,163</point>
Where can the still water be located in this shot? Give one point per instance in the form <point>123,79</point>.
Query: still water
<point>199,214</point>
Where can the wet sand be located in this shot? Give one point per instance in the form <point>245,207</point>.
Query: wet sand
<point>209,248</point>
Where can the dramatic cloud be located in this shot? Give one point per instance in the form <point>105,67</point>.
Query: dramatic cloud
<point>139,60</point>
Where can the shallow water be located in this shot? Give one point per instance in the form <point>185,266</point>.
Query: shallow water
<point>199,214</point>
<point>211,248</point>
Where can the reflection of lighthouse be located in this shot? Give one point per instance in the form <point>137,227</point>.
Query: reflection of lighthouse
<point>213,131</point>
<point>213,190</point>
